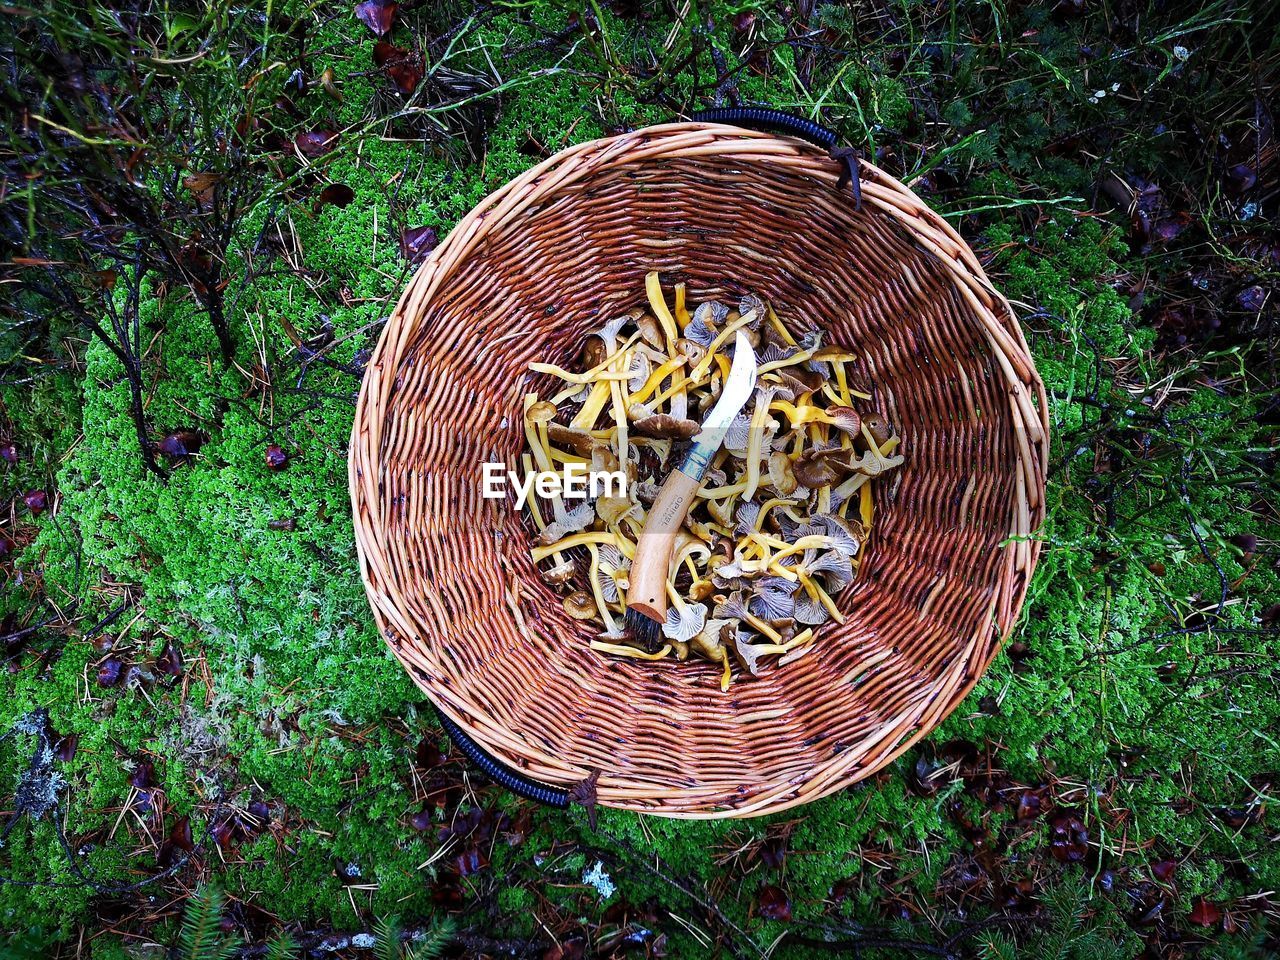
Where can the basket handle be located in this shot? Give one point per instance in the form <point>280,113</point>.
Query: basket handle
<point>769,120</point>
<point>500,772</point>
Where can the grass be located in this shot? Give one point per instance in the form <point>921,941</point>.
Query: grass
<point>1140,693</point>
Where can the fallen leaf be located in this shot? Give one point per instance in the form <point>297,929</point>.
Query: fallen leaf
<point>1204,914</point>
<point>773,904</point>
<point>315,143</point>
<point>416,243</point>
<point>377,15</point>
<point>403,67</point>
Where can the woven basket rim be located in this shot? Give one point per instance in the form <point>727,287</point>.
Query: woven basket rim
<point>882,194</point>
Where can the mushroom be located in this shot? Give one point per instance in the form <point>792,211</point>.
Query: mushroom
<point>610,509</point>
<point>721,510</point>
<point>706,321</point>
<point>781,476</point>
<point>658,304</point>
<point>611,573</point>
<point>685,621</point>
<point>745,517</point>
<point>640,370</point>
<point>870,463</point>
<point>772,598</point>
<point>621,650</point>
<point>540,413</point>
<point>880,429</point>
<point>814,605</point>
<point>569,521</point>
<point>580,605</point>
<point>667,427</point>
<point>838,532</point>
<point>734,607</point>
<point>761,423</point>
<point>709,643</point>
<point>810,610</point>
<point>559,572</point>
<point>647,492</point>
<point>752,304</point>
<point>737,435</point>
<point>701,589</point>
<point>650,331</point>
<point>844,419</point>
<point>691,350</point>
<point>748,653</point>
<point>814,468</point>
<point>773,353</point>
<point>834,567</point>
<point>726,571</point>
<point>593,352</point>
<point>571,438</point>
<point>800,379</point>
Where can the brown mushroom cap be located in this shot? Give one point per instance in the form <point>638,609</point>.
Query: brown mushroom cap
<point>801,379</point>
<point>580,605</point>
<point>593,352</point>
<point>570,438</point>
<point>817,468</point>
<point>558,573</point>
<point>544,411</point>
<point>691,350</point>
<point>650,330</point>
<point>666,427</point>
<point>879,427</point>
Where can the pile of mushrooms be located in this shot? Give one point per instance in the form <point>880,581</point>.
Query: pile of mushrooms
<point>781,518</point>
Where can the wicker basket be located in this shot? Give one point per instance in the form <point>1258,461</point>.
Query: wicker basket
<point>551,256</point>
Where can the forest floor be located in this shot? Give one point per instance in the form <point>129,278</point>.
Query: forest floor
<point>219,711</point>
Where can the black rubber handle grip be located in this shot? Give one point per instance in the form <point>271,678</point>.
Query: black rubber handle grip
<point>768,120</point>
<point>498,771</point>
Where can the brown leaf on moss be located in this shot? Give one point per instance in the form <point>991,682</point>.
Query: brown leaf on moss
<point>403,67</point>
<point>773,904</point>
<point>378,15</point>
<point>1205,914</point>
<point>416,243</point>
<point>316,143</point>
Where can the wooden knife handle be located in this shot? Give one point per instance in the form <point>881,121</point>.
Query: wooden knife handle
<point>652,563</point>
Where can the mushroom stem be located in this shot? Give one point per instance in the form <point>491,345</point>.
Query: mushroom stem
<point>656,378</point>
<point>754,436</point>
<point>779,326</point>
<point>681,311</point>
<point>764,626</point>
<point>700,369</point>
<point>769,505</point>
<point>658,304</point>
<point>790,361</point>
<point>601,371</point>
<point>627,547</point>
<point>594,579</point>
<point>586,417</point>
<point>621,650</point>
<point>802,637</point>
